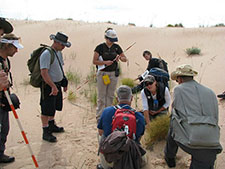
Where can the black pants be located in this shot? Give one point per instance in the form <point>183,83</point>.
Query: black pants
<point>4,129</point>
<point>200,158</point>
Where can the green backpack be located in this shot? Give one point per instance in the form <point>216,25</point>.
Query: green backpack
<point>34,65</point>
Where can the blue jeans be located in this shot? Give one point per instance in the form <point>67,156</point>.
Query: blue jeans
<point>200,158</point>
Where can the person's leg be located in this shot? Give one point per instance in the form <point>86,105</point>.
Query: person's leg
<point>58,106</point>
<point>101,100</point>
<point>4,131</point>
<point>103,162</point>
<point>201,158</point>
<point>110,91</point>
<point>170,150</point>
<point>47,109</point>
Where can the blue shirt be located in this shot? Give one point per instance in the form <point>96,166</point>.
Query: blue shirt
<point>105,122</point>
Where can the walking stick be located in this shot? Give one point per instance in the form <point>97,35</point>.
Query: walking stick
<point>20,126</point>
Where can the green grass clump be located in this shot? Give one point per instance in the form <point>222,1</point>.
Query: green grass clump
<point>93,97</point>
<point>71,96</point>
<point>157,130</point>
<point>73,77</point>
<point>193,51</point>
<point>128,81</point>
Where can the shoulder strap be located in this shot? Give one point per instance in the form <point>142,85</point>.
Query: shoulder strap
<point>59,62</point>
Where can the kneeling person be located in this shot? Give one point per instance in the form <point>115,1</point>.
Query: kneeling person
<point>106,122</point>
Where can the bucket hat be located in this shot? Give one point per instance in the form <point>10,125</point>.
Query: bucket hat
<point>183,70</point>
<point>61,38</point>
<point>5,25</point>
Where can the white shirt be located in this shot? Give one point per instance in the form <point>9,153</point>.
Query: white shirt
<point>145,100</point>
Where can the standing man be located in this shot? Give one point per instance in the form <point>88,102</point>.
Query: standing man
<point>5,27</point>
<point>194,121</point>
<point>51,92</point>
<point>9,45</point>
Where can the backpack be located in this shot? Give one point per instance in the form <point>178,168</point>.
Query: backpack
<point>160,75</point>
<point>125,120</point>
<point>34,65</point>
<point>159,63</point>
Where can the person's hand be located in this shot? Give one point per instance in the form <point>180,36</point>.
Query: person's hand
<point>108,62</point>
<point>54,91</point>
<point>153,112</point>
<point>65,89</point>
<point>4,83</point>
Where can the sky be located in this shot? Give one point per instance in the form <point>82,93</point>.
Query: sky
<point>159,13</point>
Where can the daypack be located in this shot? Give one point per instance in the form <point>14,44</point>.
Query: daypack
<point>160,75</point>
<point>125,120</point>
<point>158,63</point>
<point>34,65</point>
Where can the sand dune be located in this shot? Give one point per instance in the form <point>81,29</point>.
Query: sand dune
<point>77,147</point>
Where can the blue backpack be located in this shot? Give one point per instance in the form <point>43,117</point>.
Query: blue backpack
<point>160,75</point>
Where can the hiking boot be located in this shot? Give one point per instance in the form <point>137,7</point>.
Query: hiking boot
<point>222,96</point>
<point>99,166</point>
<point>6,159</point>
<point>170,162</point>
<point>47,135</point>
<point>54,128</point>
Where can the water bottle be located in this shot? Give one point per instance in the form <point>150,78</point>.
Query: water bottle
<point>126,129</point>
<point>155,104</point>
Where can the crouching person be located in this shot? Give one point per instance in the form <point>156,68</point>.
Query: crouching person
<point>120,129</point>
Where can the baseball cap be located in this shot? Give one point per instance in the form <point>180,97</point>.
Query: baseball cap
<point>149,78</point>
<point>111,35</point>
<point>124,93</point>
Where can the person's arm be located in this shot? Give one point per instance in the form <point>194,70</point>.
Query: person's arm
<point>145,106</point>
<point>96,60</point>
<point>4,83</point>
<point>48,80</point>
<point>100,132</point>
<point>123,58</point>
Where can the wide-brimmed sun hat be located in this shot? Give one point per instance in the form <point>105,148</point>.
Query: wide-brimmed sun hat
<point>61,38</point>
<point>183,70</point>
<point>5,25</point>
<point>111,35</point>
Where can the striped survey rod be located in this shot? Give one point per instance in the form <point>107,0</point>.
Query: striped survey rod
<point>20,126</point>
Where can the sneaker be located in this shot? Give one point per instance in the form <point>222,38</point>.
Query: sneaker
<point>222,96</point>
<point>6,159</point>
<point>99,166</point>
<point>170,162</point>
<point>54,128</point>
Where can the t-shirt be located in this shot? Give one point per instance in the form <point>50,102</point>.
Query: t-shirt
<point>105,122</point>
<point>109,54</point>
<point>54,69</point>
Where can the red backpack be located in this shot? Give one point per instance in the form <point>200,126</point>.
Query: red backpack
<point>125,120</point>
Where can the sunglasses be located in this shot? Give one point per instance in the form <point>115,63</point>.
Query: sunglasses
<point>148,83</point>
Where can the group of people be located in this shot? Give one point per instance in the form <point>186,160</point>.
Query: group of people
<point>193,104</point>
<point>194,111</point>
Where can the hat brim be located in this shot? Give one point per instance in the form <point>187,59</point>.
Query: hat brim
<point>175,74</point>
<point>18,45</point>
<point>52,37</point>
<point>6,26</point>
<point>113,39</point>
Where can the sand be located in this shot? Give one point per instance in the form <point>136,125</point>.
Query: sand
<point>77,147</point>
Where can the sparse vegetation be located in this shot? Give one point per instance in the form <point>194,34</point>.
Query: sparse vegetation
<point>71,96</point>
<point>25,82</point>
<point>220,25</point>
<point>73,77</point>
<point>157,130</point>
<point>128,81</point>
<point>131,24</point>
<point>180,25</point>
<point>93,96</point>
<point>193,51</point>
